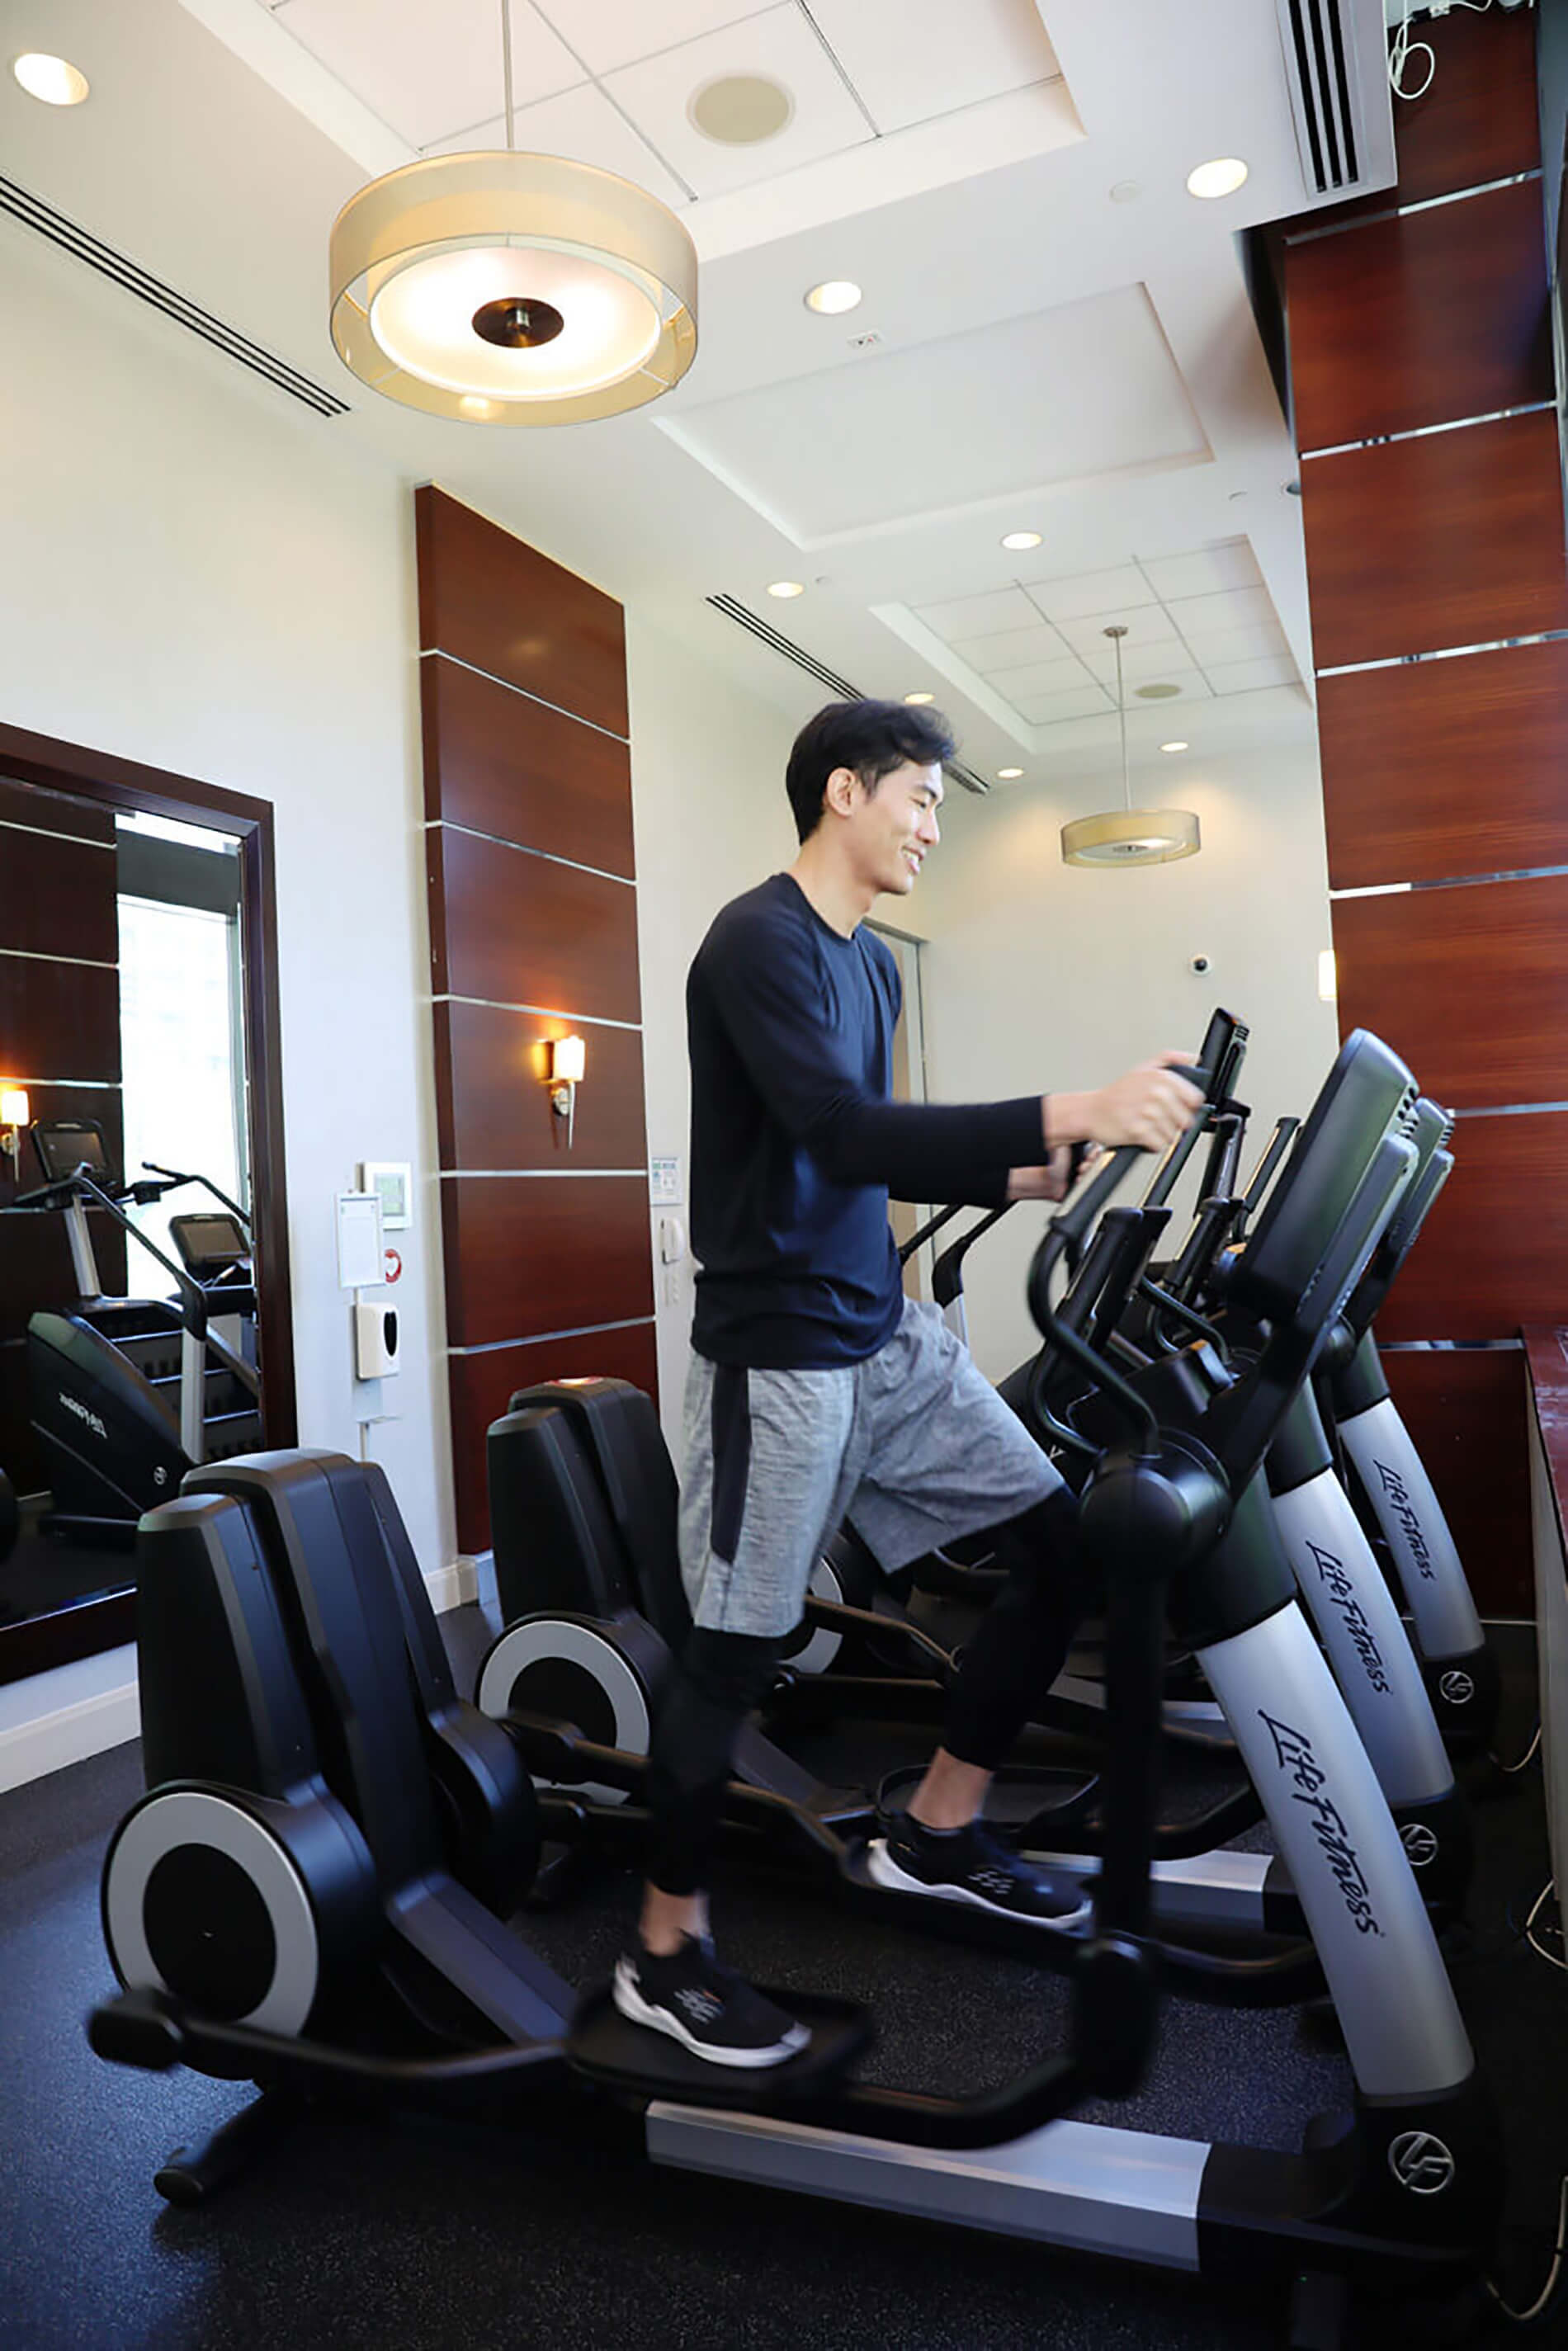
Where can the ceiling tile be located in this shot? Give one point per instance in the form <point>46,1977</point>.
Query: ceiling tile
<point>1207,647</point>
<point>884,439</point>
<point>912,59</point>
<point>1241,677</point>
<point>778,45</point>
<point>430,72</point>
<point>1238,608</point>
<point>1012,647</point>
<point>1046,709</point>
<point>1107,593</point>
<point>978,616</point>
<point>610,33</point>
<point>583,125</point>
<point>1208,572</point>
<point>1151,625</point>
<point>1040,677</point>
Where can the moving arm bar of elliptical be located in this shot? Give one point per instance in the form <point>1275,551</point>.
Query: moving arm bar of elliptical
<point>140,2028</point>
<point>838,1616</point>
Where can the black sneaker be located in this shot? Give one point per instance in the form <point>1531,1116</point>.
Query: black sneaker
<point>972,1864</point>
<point>708,2008</point>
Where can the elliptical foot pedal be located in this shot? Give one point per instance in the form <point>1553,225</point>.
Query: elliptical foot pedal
<point>608,2049</point>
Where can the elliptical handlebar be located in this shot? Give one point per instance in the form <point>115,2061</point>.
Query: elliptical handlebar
<point>171,1177</point>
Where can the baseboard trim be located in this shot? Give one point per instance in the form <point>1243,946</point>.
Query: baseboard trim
<point>453,1585</point>
<point>29,1751</point>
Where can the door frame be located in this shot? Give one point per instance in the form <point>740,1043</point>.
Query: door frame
<point>88,1626</point>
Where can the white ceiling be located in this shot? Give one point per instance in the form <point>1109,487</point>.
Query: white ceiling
<point>1047,354</point>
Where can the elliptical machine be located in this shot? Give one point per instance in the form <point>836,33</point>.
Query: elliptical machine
<point>284,1914</point>
<point>127,1394</point>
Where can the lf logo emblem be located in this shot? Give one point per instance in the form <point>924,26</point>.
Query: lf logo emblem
<point>1457,1689</point>
<point>1419,1842</point>
<point>1421,2163</point>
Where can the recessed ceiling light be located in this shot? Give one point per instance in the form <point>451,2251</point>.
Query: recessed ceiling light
<point>1008,775</point>
<point>1018,540</point>
<point>834,296</point>
<point>1175,746</point>
<point>920,697</point>
<point>1220,178</point>
<point>741,110</point>
<point>785,587</point>
<point>50,78</point>
<point>1155,692</point>
<point>1127,191</point>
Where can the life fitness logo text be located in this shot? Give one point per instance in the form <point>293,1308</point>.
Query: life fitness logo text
<point>1293,1751</point>
<point>1421,2163</point>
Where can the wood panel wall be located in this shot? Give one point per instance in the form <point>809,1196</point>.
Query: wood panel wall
<point>533,929</point>
<point>1435,539</point>
<point>59,1036</point>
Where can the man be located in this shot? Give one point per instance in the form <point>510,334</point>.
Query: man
<point>816,1390</point>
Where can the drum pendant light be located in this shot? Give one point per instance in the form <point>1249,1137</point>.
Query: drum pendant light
<point>1130,836</point>
<point>500,288</point>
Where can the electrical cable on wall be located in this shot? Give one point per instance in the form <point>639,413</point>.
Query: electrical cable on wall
<point>1402,48</point>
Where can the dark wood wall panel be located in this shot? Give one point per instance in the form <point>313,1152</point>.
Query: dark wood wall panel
<point>1420,320</point>
<point>514,928</point>
<point>1466,1411</point>
<point>493,1105</point>
<point>1455,538</point>
<point>1477,121</point>
<point>483,1385</point>
<point>1470,985</point>
<point>1481,1267</point>
<point>490,599</point>
<point>1436,769</point>
<point>53,901</point>
<point>34,806</point>
<point>531,1254</point>
<point>59,1020</point>
<point>36,1274</point>
<point>504,764</point>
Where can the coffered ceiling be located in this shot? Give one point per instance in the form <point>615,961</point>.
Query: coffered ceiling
<point>1054,336</point>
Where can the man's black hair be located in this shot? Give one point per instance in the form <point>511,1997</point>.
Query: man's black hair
<point>871,737</point>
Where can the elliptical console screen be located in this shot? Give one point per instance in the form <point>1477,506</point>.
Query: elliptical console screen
<point>208,1243</point>
<point>64,1144</point>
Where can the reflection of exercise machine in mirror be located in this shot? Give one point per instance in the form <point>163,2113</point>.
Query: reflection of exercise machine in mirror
<point>127,1394</point>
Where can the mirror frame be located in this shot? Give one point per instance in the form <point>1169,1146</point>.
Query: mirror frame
<point>83,1628</point>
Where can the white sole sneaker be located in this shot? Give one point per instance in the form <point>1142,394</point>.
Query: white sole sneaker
<point>882,1867</point>
<point>630,2004</point>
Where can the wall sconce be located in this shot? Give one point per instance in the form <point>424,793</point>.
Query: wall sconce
<point>14,1112</point>
<point>567,1060</point>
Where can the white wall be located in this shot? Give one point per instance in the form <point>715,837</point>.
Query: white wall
<point>202,577</point>
<point>1042,975</point>
<point>711,819</point>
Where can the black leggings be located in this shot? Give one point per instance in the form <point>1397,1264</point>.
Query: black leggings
<point>1015,1654</point>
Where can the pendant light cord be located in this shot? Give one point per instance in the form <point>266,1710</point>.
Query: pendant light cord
<point>1116,636</point>
<point>507,68</point>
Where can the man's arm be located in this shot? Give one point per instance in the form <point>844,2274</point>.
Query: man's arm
<point>766,993</point>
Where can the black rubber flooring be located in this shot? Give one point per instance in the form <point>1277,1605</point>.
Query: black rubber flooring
<point>350,2235</point>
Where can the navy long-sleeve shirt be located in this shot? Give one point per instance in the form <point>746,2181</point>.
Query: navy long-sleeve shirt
<point>796,1145</point>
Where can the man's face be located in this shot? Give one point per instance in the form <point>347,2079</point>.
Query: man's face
<point>892,828</point>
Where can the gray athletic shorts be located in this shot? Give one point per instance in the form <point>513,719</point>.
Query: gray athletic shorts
<point>914,1445</point>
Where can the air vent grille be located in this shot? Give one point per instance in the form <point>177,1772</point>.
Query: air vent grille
<point>777,642</point>
<point>34,213</point>
<point>1320,66</point>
